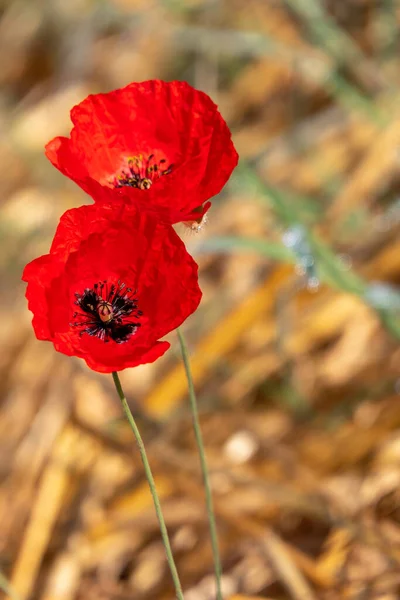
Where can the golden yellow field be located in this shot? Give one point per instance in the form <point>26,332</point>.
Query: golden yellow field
<point>295,347</point>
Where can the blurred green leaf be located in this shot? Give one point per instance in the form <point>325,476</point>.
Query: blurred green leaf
<point>287,206</point>
<point>383,296</point>
<point>271,250</point>
<point>325,30</point>
<point>316,260</point>
<point>332,269</point>
<point>351,98</point>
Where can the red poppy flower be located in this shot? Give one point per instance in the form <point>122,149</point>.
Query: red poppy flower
<point>161,145</point>
<point>115,281</point>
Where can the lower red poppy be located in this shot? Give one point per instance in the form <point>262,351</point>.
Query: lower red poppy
<point>116,280</point>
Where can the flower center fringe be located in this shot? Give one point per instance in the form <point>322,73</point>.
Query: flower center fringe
<point>142,173</point>
<point>107,311</point>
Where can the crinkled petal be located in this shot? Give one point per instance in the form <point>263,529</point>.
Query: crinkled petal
<point>104,245</point>
<point>169,119</point>
<point>38,274</point>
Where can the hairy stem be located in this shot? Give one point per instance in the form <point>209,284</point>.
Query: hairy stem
<point>203,464</point>
<point>150,479</point>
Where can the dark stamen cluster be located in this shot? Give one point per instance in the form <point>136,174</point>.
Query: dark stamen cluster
<point>142,173</point>
<point>108,312</point>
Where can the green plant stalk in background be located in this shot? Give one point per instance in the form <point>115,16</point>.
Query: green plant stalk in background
<point>150,479</point>
<point>328,266</point>
<point>203,464</point>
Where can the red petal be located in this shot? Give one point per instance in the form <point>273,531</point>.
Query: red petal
<point>112,242</point>
<point>173,119</point>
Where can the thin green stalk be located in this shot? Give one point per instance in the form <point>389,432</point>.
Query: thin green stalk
<point>203,464</point>
<point>150,479</point>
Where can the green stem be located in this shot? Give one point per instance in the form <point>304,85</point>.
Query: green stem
<point>150,479</point>
<point>203,464</point>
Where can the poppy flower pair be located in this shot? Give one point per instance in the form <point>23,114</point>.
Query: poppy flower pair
<point>118,277</point>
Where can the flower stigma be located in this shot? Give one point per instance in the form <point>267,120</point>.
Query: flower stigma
<point>105,311</point>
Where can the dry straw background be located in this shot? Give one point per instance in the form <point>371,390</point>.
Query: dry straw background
<point>295,349</point>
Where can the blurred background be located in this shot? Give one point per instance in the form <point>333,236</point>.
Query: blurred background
<point>295,348</point>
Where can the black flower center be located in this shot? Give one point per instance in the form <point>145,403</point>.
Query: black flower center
<point>142,172</point>
<point>107,311</point>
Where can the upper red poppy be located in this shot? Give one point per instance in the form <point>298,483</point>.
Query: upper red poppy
<point>161,145</point>
<point>115,281</point>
